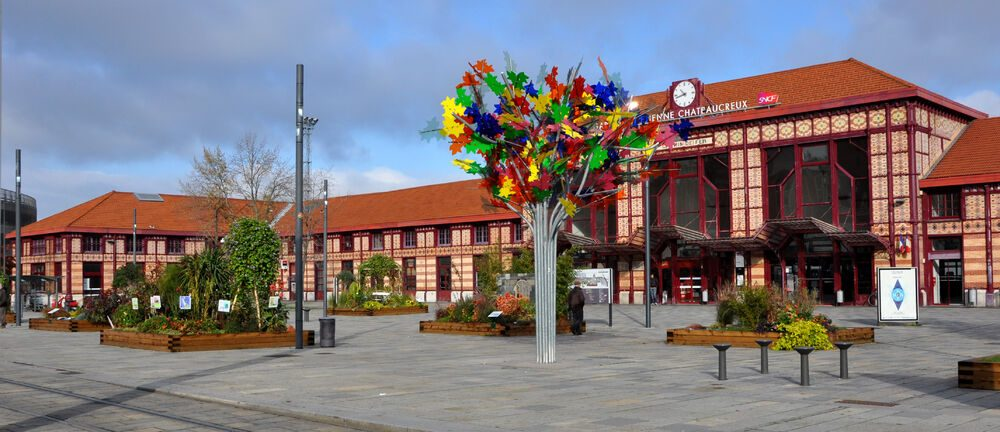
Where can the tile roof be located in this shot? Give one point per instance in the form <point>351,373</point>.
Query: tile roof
<point>455,202</point>
<point>804,85</point>
<point>112,212</point>
<point>972,158</point>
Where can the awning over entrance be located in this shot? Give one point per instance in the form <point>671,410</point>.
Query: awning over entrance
<point>771,236</point>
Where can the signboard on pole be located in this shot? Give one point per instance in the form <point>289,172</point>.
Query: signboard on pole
<point>596,284</point>
<point>897,294</point>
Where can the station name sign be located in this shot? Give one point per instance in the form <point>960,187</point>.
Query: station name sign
<point>764,100</point>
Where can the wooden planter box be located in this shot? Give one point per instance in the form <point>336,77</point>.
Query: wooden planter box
<point>384,311</point>
<point>486,329</point>
<point>211,342</point>
<point>978,374</point>
<point>747,339</point>
<point>10,318</point>
<point>72,326</point>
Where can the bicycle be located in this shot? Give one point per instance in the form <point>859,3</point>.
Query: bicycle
<point>873,298</point>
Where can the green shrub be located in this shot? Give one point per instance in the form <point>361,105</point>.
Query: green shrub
<point>725,312</point>
<point>802,333</point>
<point>400,300</point>
<point>275,320</point>
<point>156,324</point>
<point>755,306</point>
<point>125,316</point>
<point>372,305</point>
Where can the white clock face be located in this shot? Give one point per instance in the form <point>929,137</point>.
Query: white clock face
<point>684,93</point>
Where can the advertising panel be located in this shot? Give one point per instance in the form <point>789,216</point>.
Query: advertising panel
<point>897,294</point>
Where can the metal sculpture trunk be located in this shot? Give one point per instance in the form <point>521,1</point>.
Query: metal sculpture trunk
<point>544,233</point>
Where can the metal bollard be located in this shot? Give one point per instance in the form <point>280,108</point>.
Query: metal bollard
<point>722,359</point>
<point>843,357</point>
<point>804,364</point>
<point>764,343</point>
<point>327,332</point>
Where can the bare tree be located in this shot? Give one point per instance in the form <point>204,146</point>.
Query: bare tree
<point>253,172</point>
<point>260,177</point>
<point>211,180</point>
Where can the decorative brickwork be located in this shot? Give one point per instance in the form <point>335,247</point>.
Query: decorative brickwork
<point>821,125</point>
<point>859,121</point>
<point>786,130</point>
<point>769,132</point>
<point>839,123</point>
<point>753,135</point>
<point>898,116</point>
<point>876,118</point>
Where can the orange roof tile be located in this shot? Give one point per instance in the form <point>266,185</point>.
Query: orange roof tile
<point>973,157</point>
<point>810,84</point>
<point>112,212</point>
<point>456,202</point>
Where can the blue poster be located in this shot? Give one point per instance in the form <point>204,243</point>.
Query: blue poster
<point>185,302</point>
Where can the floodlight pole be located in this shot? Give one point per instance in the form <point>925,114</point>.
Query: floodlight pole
<point>649,271</point>
<point>134,244</point>
<point>17,237</point>
<point>298,206</point>
<point>326,200</point>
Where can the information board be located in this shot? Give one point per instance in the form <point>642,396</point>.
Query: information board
<point>596,284</point>
<point>897,294</point>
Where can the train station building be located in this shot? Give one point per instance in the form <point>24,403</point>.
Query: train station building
<point>805,178</point>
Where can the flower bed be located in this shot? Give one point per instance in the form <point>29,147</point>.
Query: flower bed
<point>404,310</point>
<point>488,329</point>
<point>980,373</point>
<point>202,342</point>
<point>747,339</point>
<point>65,325</point>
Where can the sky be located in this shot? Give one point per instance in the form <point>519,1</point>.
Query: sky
<point>122,95</point>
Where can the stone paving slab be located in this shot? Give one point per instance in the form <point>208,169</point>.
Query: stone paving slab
<point>384,372</point>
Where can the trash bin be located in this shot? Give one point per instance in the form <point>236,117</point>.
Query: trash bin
<point>305,314</point>
<point>327,332</point>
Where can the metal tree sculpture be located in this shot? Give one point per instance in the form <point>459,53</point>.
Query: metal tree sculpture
<point>545,150</point>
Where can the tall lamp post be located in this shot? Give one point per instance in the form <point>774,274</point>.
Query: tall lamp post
<point>649,271</point>
<point>135,245</point>
<point>299,124</point>
<point>17,237</point>
<point>326,201</point>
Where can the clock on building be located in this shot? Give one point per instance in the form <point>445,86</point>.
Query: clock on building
<point>686,93</point>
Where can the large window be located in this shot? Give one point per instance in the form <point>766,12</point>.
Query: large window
<point>92,244</point>
<point>803,181</point>
<point>378,241</point>
<point>410,274</point>
<point>409,239</point>
<point>347,266</point>
<point>175,246</point>
<point>693,193</point>
<point>347,242</point>
<point>517,233</point>
<point>444,236</point>
<point>38,247</point>
<point>598,223</point>
<point>317,244</point>
<point>135,245</point>
<point>945,204</point>
<point>482,234</point>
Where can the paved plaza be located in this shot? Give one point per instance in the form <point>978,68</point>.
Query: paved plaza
<point>385,375</point>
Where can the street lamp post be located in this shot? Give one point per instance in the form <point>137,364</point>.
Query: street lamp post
<point>18,303</point>
<point>326,200</point>
<point>135,245</point>
<point>648,264</point>
<point>298,205</point>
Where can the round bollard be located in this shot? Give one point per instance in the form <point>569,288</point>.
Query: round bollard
<point>763,343</point>
<point>804,364</point>
<point>722,359</point>
<point>327,332</point>
<point>843,357</point>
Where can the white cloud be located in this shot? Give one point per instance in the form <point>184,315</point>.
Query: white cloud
<point>388,176</point>
<point>987,101</point>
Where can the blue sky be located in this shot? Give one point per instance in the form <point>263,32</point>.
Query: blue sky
<point>121,95</point>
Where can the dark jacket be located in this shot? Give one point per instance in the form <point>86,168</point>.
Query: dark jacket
<point>4,297</point>
<point>576,298</point>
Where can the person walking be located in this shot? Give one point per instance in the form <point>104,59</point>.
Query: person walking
<point>576,300</point>
<point>4,302</point>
